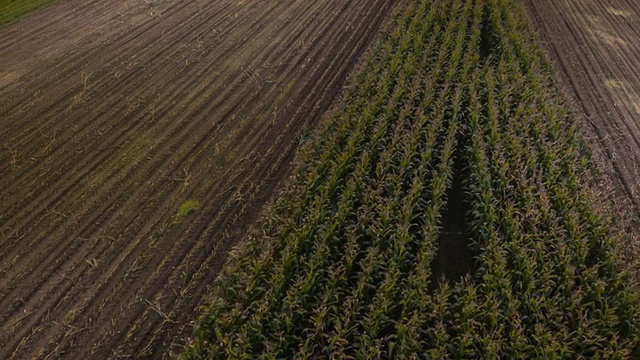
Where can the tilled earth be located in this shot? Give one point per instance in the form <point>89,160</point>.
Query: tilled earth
<point>138,142</point>
<point>140,139</point>
<point>595,45</point>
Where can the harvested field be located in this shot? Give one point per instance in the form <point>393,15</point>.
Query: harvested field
<point>138,142</point>
<point>594,44</point>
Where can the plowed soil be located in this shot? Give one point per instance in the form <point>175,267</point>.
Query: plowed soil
<point>595,45</point>
<point>138,141</point>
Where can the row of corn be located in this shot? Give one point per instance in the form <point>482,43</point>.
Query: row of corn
<point>344,264</point>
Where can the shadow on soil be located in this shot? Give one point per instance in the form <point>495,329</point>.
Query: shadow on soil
<point>455,256</point>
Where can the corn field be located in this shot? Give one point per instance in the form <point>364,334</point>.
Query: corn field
<point>456,101</point>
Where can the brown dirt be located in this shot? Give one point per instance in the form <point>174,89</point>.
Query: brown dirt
<point>595,45</point>
<point>112,115</point>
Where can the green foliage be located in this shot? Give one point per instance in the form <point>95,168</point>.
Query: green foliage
<point>343,268</point>
<point>185,209</point>
<point>10,10</point>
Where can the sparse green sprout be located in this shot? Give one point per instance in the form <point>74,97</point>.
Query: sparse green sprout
<point>184,210</point>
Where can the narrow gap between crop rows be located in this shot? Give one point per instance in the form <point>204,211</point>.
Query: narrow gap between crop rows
<point>455,257</point>
<point>487,34</point>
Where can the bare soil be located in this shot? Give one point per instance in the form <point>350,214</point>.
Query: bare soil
<point>116,118</point>
<point>595,45</point>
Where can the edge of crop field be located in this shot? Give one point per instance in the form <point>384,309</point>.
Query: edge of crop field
<point>546,280</point>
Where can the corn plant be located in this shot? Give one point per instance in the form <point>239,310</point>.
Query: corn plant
<point>344,265</point>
